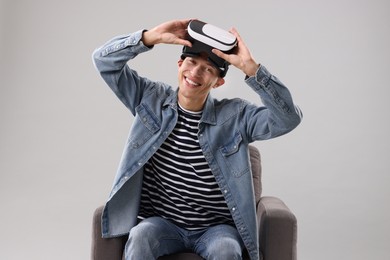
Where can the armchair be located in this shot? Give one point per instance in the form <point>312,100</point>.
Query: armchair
<point>276,223</point>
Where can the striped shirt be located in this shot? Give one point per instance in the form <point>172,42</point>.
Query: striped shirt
<point>178,184</point>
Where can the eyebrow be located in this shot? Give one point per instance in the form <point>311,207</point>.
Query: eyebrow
<point>208,62</point>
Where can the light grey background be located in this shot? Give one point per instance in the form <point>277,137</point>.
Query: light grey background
<point>62,130</point>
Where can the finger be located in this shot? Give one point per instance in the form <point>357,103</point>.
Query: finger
<point>184,42</point>
<point>185,22</point>
<point>234,31</point>
<point>238,36</point>
<point>221,54</point>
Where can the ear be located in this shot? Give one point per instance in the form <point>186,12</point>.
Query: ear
<point>180,62</point>
<point>219,82</point>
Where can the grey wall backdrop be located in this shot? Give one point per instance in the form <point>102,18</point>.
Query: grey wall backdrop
<point>62,130</point>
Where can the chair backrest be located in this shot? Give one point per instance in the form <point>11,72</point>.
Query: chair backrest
<point>255,160</point>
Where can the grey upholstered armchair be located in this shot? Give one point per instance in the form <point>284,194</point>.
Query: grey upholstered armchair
<point>277,228</point>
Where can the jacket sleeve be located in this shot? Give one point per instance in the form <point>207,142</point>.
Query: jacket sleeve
<point>111,62</point>
<point>278,116</point>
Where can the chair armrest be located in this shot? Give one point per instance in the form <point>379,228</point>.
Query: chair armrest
<point>277,230</point>
<point>105,248</point>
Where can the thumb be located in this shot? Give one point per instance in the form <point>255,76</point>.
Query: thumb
<point>227,57</point>
<point>220,54</point>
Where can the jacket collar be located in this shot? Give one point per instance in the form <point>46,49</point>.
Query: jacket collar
<point>171,100</point>
<point>209,113</point>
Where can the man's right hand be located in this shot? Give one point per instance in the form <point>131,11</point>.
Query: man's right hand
<point>172,32</point>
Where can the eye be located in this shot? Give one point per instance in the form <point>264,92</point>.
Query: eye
<point>210,69</point>
<point>191,60</point>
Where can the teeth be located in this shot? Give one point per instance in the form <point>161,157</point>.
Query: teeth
<point>192,82</point>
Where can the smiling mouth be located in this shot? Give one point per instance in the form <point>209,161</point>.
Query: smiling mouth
<point>192,83</point>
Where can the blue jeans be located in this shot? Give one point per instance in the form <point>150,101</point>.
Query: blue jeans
<point>155,237</point>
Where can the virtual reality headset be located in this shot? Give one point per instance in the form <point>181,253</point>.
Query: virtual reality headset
<point>205,37</point>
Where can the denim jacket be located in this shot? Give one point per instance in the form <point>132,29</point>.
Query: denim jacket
<point>225,130</point>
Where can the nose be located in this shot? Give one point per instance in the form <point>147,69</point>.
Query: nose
<point>196,71</point>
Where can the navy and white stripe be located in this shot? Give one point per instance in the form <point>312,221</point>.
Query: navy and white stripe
<point>178,184</point>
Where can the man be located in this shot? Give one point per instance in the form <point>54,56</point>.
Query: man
<point>184,180</point>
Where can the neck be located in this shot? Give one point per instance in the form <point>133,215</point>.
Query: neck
<point>190,111</point>
<point>190,104</point>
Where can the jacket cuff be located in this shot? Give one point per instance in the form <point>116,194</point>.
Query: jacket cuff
<point>260,79</point>
<point>132,40</point>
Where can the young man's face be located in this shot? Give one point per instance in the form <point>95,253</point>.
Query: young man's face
<point>197,76</point>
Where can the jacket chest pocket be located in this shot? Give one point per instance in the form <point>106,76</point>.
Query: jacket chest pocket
<point>234,155</point>
<point>144,127</point>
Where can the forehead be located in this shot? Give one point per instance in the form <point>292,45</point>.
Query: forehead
<point>203,59</point>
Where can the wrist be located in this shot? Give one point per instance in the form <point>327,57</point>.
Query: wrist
<point>251,68</point>
<point>149,38</point>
